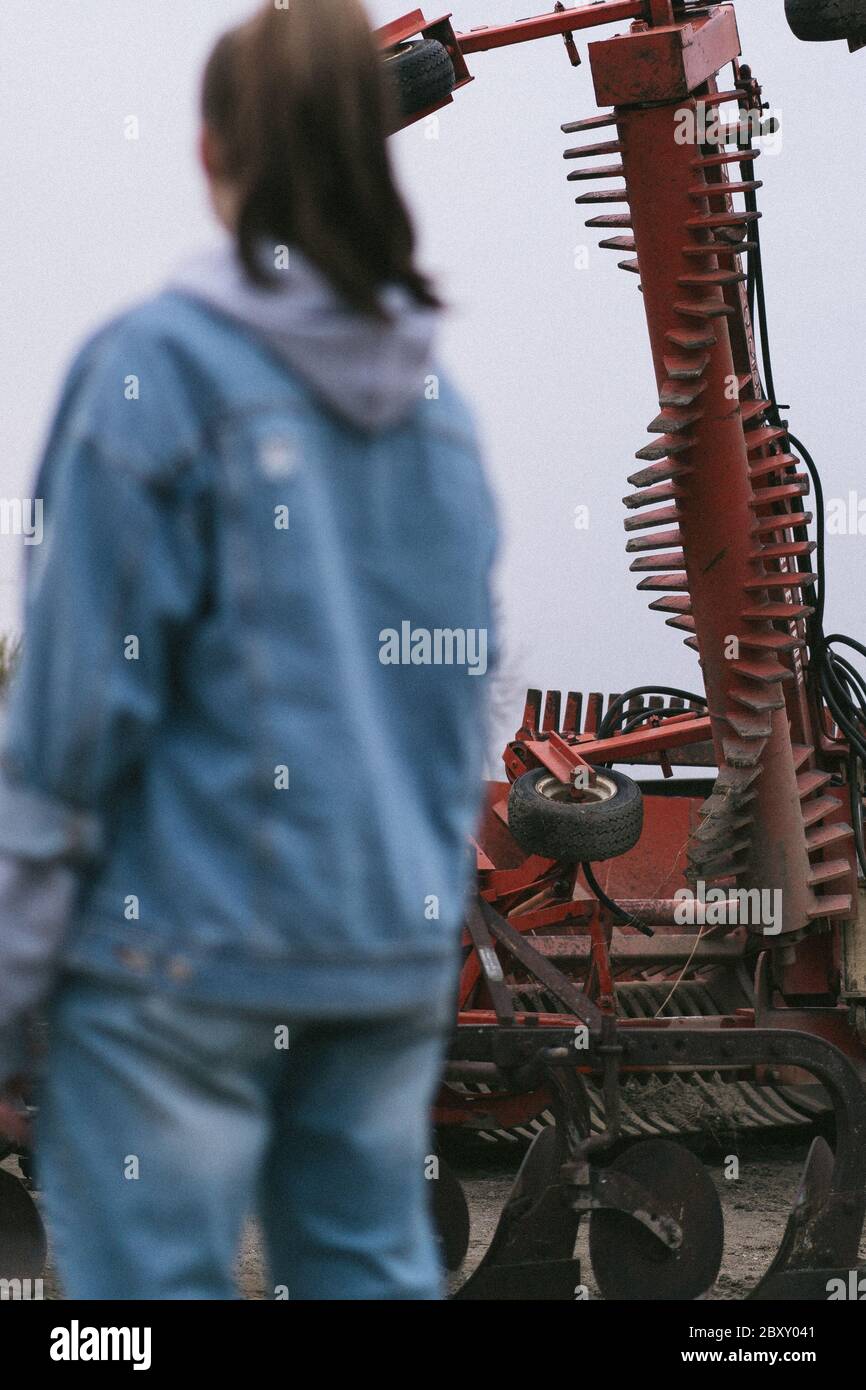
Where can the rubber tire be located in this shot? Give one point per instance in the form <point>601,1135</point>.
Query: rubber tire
<point>578,832</point>
<point>423,74</point>
<point>819,21</point>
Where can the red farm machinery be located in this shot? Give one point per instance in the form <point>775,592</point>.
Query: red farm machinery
<point>643,955</point>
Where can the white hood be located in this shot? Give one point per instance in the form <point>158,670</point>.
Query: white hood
<point>368,371</point>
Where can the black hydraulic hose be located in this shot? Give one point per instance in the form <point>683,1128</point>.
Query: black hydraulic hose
<point>617,712</point>
<point>839,684</point>
<point>621,915</point>
<point>854,767</point>
<point>817,620</point>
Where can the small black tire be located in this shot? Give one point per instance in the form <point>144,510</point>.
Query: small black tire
<point>422,73</point>
<point>544,819</point>
<point>821,21</point>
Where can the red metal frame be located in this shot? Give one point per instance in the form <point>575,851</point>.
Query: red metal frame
<point>409,27</point>
<point>726,495</point>
<point>568,21</point>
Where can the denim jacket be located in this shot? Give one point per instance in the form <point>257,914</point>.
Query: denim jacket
<point>249,711</point>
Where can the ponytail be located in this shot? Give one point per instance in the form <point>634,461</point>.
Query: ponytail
<point>298,102</point>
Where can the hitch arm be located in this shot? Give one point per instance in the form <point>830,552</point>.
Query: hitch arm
<point>543,26</point>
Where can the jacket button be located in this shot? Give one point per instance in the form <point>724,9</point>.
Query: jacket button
<point>179,969</point>
<point>134,960</point>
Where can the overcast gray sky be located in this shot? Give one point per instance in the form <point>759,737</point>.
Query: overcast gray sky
<point>555,358</point>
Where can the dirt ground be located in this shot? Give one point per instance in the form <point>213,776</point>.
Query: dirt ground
<point>756,1206</point>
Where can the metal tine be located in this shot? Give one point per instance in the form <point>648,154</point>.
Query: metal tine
<point>611,219</point>
<point>593,151</point>
<point>573,707</point>
<point>552,711</point>
<point>532,710</point>
<point>603,171</point>
<point>634,706</point>
<point>594,709</point>
<point>603,195</point>
<point>604,118</point>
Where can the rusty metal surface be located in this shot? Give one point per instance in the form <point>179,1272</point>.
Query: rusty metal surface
<point>665,63</point>
<point>754,827</point>
<point>827,1221</point>
<point>630,1260</point>
<point>671,948</point>
<point>547,25</point>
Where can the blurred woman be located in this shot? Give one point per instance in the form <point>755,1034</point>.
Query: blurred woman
<point>245,742</point>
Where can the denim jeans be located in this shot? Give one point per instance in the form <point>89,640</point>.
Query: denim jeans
<point>164,1124</point>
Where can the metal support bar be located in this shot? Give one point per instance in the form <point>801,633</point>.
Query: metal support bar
<point>667,948</point>
<point>491,969</point>
<point>557,984</point>
<point>545,25</point>
<point>561,757</point>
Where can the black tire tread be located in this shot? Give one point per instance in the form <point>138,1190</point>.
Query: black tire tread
<point>821,21</point>
<point>580,832</point>
<point>422,73</point>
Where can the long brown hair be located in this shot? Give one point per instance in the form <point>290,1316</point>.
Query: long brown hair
<point>298,103</point>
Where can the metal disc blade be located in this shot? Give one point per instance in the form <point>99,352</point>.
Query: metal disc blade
<point>813,1191</point>
<point>450,1216</point>
<point>628,1261</point>
<point>22,1236</point>
<point>531,1254</point>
